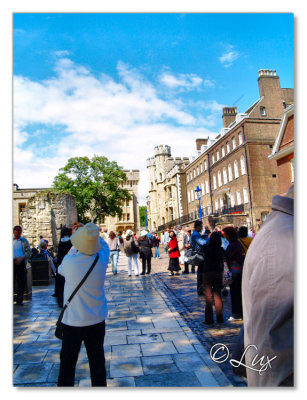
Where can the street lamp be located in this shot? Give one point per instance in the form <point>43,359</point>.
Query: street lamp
<point>146,217</point>
<point>198,191</point>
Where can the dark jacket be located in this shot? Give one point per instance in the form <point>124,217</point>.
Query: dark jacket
<point>213,259</point>
<point>187,250</point>
<point>145,247</point>
<point>234,257</point>
<point>64,247</point>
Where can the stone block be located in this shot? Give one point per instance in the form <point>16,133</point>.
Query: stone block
<point>157,349</point>
<point>188,361</point>
<point>126,367</point>
<point>32,373</point>
<point>206,378</point>
<point>126,351</point>
<point>187,379</point>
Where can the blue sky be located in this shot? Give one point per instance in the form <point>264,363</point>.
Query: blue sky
<point>119,84</point>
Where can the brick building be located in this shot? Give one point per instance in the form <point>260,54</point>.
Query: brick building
<point>236,178</point>
<point>283,151</point>
<point>167,195</point>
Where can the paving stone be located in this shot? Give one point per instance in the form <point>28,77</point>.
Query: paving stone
<point>151,338</point>
<point>205,377</point>
<point>183,346</point>
<point>114,340</point>
<point>32,373</point>
<point>52,356</point>
<point>126,332</point>
<point>157,349</point>
<point>172,336</point>
<point>178,379</point>
<point>126,367</point>
<point>188,361</point>
<point>121,382</point>
<point>126,351</point>
<point>161,330</point>
<point>54,373</point>
<point>139,325</point>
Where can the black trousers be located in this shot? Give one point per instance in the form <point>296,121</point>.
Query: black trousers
<point>59,288</point>
<point>186,268</point>
<point>20,280</point>
<point>144,262</point>
<point>200,271</point>
<point>236,296</point>
<point>93,337</point>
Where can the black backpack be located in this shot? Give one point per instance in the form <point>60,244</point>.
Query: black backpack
<point>134,247</point>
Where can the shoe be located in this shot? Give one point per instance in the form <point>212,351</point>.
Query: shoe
<point>137,275</point>
<point>234,319</point>
<point>54,295</point>
<point>19,303</point>
<point>185,272</point>
<point>130,276</point>
<point>147,273</point>
<point>171,274</point>
<point>142,273</point>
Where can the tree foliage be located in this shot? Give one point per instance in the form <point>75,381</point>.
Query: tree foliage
<point>142,212</point>
<point>96,184</point>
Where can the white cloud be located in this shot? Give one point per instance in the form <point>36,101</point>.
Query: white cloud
<point>181,81</point>
<point>229,56</point>
<point>123,120</point>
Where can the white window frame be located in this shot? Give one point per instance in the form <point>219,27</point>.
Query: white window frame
<point>207,186</point>
<point>225,176</point>
<point>197,171</point>
<point>201,168</point>
<point>221,203</point>
<point>202,189</point>
<point>212,159</point>
<point>242,165</point>
<point>236,169</point>
<point>234,144</point>
<point>189,197</point>
<point>192,195</point>
<point>214,182</point>
<point>232,200</point>
<point>227,148</point>
<point>240,136</point>
<point>205,165</point>
<point>217,155</point>
<point>230,173</point>
<point>245,196</point>
<point>239,198</point>
<point>223,151</point>
<point>216,204</point>
<point>194,172</point>
<point>219,178</point>
<point>292,169</point>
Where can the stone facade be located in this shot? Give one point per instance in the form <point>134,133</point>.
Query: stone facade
<point>283,151</point>
<point>44,214</point>
<point>167,195</point>
<point>130,213</point>
<point>233,170</point>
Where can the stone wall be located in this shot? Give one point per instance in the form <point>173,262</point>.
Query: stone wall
<point>44,214</point>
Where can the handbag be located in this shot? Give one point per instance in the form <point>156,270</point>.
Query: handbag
<point>195,258</point>
<point>134,247</point>
<point>59,326</point>
<point>227,275</point>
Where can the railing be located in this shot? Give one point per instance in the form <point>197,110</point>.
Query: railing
<point>195,215</point>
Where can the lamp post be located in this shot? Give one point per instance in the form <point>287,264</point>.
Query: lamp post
<point>198,191</point>
<point>146,217</point>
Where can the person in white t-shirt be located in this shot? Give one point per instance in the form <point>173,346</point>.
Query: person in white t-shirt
<point>84,318</point>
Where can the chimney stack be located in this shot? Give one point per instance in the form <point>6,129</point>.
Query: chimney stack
<point>200,142</point>
<point>268,82</point>
<point>229,115</point>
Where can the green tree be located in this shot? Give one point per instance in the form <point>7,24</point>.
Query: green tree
<point>142,210</point>
<point>96,184</point>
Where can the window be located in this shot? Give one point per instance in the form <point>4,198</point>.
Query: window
<point>292,169</point>
<point>233,143</point>
<point>192,195</point>
<point>228,147</point>
<point>207,186</point>
<point>202,189</point>
<point>262,111</point>
<point>219,178</point>
<point>225,175</point>
<point>197,171</point>
<point>232,200</point>
<point>127,203</point>
<point>151,185</point>
<point>236,169</point>
<point>209,209</point>
<point>240,138</point>
<point>194,172</point>
<point>191,176</point>
<point>128,217</point>
<point>160,176</point>
<point>187,178</point>
<point>223,151</point>
<point>242,162</point>
<point>221,203</point>
<point>245,195</point>
<point>216,203</point>
<point>205,163</point>
<point>213,160</point>
<point>217,155</point>
<point>239,200</point>
<point>189,197</point>
<point>214,181</point>
<point>201,168</point>
<point>170,193</point>
<point>230,172</point>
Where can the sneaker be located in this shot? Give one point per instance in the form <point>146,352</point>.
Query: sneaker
<point>171,274</point>
<point>234,319</point>
<point>142,273</point>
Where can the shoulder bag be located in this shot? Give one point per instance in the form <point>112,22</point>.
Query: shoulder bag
<point>59,328</point>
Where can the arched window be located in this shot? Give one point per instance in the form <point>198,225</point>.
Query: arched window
<point>242,162</point>
<point>217,155</point>
<point>236,169</point>
<point>225,175</point>
<point>239,200</point>
<point>233,143</point>
<point>197,171</point>
<point>214,181</point>
<point>219,178</point>
<point>194,171</point>
<point>229,172</point>
<point>228,147</point>
<point>223,151</point>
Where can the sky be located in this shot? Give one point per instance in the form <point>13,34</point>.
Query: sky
<point>117,85</point>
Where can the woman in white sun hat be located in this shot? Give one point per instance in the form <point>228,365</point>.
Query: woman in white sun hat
<point>84,318</point>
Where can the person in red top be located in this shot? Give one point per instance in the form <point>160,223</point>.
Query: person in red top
<point>174,254</point>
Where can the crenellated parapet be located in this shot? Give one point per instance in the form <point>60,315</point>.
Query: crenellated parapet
<point>164,150</point>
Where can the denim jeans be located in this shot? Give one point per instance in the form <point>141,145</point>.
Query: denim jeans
<point>114,254</point>
<point>157,252</point>
<point>133,258</point>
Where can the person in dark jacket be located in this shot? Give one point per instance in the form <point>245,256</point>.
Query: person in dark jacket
<point>212,277</point>
<point>64,247</point>
<point>145,245</point>
<point>235,259</point>
<point>174,254</point>
<point>187,252</point>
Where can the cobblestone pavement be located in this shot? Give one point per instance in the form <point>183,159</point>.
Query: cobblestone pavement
<point>154,335</point>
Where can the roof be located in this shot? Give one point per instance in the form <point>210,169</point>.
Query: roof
<point>289,111</point>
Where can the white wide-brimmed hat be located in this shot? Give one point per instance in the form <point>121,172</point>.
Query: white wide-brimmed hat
<point>143,233</point>
<point>86,239</point>
<point>129,232</point>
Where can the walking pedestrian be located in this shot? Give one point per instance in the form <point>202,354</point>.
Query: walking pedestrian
<point>114,246</point>
<point>244,239</point>
<point>157,246</point>
<point>131,249</point>
<point>235,259</point>
<point>145,245</point>
<point>174,254</point>
<point>197,243</point>
<point>180,237</point>
<point>64,247</point>
<point>84,318</point>
<point>187,252</point>
<point>212,277</point>
<point>21,254</point>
